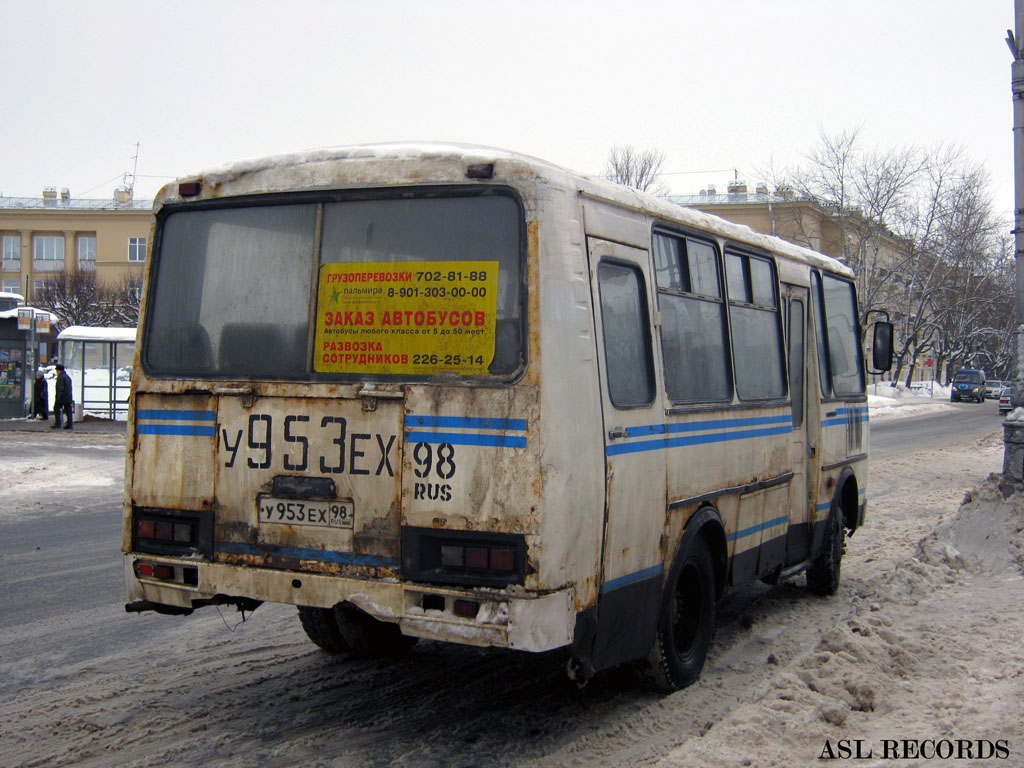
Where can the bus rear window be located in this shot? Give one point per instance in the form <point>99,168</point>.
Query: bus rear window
<point>393,288</point>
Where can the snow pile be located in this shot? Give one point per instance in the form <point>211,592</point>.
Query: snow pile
<point>985,536</point>
<point>924,656</point>
<point>888,402</point>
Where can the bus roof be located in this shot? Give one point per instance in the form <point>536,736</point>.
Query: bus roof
<point>447,163</point>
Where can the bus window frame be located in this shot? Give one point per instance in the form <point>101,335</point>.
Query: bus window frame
<point>820,315</point>
<point>748,253</point>
<point>647,333</point>
<point>320,198</point>
<point>722,300</point>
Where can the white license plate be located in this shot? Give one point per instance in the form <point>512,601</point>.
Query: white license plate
<point>328,514</point>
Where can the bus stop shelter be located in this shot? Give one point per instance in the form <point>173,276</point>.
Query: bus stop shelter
<point>99,362</point>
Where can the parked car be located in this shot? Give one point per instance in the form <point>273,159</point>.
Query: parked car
<point>968,384</point>
<point>994,387</point>
<point>1005,400</point>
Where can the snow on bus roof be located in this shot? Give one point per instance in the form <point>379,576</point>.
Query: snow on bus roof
<point>89,333</point>
<point>469,154</point>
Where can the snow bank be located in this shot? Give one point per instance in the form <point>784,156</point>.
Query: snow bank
<point>927,655</point>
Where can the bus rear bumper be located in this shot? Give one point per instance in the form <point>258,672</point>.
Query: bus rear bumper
<point>510,618</point>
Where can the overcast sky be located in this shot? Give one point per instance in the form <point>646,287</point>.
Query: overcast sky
<point>716,85</point>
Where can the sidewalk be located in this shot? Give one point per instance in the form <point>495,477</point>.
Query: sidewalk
<point>90,425</point>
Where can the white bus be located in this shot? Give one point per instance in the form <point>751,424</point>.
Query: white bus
<point>461,394</point>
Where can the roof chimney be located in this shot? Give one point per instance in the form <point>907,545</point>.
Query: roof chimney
<point>49,195</point>
<point>122,195</point>
<point>737,189</point>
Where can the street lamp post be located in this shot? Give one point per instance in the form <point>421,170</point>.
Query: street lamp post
<point>1013,431</point>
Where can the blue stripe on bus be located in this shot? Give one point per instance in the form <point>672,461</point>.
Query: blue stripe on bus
<point>297,553</point>
<point>701,426</point>
<point>169,415</point>
<point>758,528</point>
<point>860,413</point>
<point>631,578</point>
<point>676,442</point>
<point>824,506</point>
<point>191,430</point>
<point>467,438</point>
<point>465,422</point>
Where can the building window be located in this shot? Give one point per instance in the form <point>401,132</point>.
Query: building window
<point>12,253</point>
<point>136,249</point>
<point>87,253</point>
<point>135,288</point>
<point>48,253</point>
<point>11,286</point>
<point>38,289</point>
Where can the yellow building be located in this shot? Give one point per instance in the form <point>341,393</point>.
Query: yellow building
<point>42,237</point>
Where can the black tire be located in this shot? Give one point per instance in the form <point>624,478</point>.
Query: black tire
<point>322,628</point>
<point>823,575</point>
<point>686,621</point>
<point>367,636</point>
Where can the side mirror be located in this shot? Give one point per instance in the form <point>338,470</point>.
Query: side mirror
<point>881,346</point>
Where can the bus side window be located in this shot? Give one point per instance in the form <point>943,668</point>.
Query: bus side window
<point>796,360</point>
<point>825,379</point>
<point>756,327</point>
<point>694,340</point>
<point>627,335</point>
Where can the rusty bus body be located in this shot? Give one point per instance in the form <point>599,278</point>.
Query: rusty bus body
<point>461,394</point>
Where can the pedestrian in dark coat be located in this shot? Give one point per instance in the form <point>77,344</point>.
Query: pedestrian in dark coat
<point>40,408</point>
<point>63,400</point>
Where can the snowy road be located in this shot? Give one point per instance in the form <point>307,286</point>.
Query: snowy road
<point>919,644</point>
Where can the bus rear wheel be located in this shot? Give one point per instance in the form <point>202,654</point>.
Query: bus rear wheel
<point>823,575</point>
<point>686,621</point>
<point>367,636</point>
<point>322,628</point>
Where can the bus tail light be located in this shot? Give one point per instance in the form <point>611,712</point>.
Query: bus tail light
<point>463,557</point>
<point>187,575</point>
<point>172,532</point>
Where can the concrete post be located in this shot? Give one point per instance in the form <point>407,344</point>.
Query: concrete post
<point>1013,451</point>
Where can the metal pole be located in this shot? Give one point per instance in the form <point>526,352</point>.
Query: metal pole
<point>1013,432</point>
<point>1016,43</point>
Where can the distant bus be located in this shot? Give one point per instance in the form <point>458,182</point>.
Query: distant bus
<point>461,394</point>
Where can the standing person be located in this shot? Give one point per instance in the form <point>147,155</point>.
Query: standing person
<point>39,394</point>
<point>63,399</point>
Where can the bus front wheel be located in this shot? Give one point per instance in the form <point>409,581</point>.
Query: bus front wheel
<point>687,619</point>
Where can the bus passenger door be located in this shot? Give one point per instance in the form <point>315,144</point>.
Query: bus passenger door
<point>798,537</point>
<point>633,433</point>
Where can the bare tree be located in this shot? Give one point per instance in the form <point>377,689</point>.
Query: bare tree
<point>76,298</point>
<point>918,231</point>
<point>635,168</point>
<point>127,299</point>
<point>951,265</point>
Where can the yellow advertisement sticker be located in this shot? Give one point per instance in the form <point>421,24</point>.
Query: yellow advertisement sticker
<point>408,317</point>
